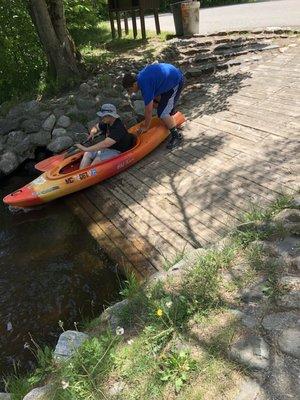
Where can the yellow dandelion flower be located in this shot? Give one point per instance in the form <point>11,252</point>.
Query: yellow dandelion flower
<point>159,312</point>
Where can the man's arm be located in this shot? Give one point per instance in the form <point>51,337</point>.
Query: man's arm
<point>148,116</point>
<point>106,143</point>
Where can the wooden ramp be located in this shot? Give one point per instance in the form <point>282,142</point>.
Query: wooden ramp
<point>243,152</point>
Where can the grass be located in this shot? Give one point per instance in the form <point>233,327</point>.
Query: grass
<point>174,337</point>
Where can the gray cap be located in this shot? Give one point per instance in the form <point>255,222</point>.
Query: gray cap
<point>108,109</point>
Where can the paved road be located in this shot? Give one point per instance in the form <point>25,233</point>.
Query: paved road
<point>241,16</point>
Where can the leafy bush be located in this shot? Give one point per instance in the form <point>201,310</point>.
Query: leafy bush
<point>22,60</point>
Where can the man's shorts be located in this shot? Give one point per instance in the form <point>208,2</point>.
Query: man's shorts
<point>104,154</point>
<point>169,100</point>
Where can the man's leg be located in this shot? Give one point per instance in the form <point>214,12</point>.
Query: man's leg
<point>87,159</point>
<point>166,109</point>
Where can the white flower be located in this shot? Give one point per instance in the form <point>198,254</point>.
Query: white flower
<point>26,345</point>
<point>130,341</point>
<point>65,384</point>
<point>169,304</point>
<point>120,331</point>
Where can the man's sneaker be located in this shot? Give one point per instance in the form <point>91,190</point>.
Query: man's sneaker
<point>174,141</point>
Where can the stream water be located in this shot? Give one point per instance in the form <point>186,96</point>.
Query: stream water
<point>51,270</point>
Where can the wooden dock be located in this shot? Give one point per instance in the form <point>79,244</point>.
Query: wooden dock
<point>243,152</point>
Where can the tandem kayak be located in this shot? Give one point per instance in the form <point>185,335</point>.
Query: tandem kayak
<point>62,175</point>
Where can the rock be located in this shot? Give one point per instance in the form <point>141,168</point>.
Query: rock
<point>5,396</point>
<point>124,106</point>
<point>289,342</point>
<point>44,115</point>
<point>129,119</point>
<point>252,351</point>
<point>111,316</point>
<point>296,201</point>
<point>15,137</point>
<point>59,144</point>
<point>85,104</point>
<point>31,107</point>
<point>250,390</point>
<point>40,393</point>
<point>58,132</point>
<point>64,121</point>
<point>139,107</point>
<point>254,293</point>
<point>25,108</point>
<point>291,299</point>
<point>58,112</point>
<point>9,125</point>
<point>8,162</point>
<point>290,282</point>
<point>84,88</point>
<point>24,148</point>
<point>289,251</point>
<point>79,137</point>
<point>115,101</point>
<point>68,343</point>
<point>31,125</point>
<point>49,123</point>
<point>288,215</point>
<point>277,322</point>
<point>290,219</point>
<point>41,138</point>
<point>117,389</point>
<point>77,127</point>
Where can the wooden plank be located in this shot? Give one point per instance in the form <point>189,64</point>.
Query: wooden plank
<point>134,26</point>
<point>108,208</point>
<point>130,252</point>
<point>176,242</point>
<point>160,204</point>
<point>216,221</point>
<point>112,25</point>
<point>156,17</point>
<point>118,16</point>
<point>244,132</point>
<point>126,23</point>
<point>99,235</point>
<point>143,27</point>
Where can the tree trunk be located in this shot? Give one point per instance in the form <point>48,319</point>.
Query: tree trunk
<point>49,20</point>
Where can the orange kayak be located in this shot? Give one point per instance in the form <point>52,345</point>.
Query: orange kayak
<point>62,175</point>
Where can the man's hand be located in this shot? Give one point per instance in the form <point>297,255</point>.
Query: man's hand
<point>93,132</point>
<point>142,129</point>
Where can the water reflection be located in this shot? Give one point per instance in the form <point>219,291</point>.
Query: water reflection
<point>50,270</point>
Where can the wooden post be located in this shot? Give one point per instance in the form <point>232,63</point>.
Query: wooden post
<point>119,24</point>
<point>143,28</point>
<point>134,27</point>
<point>112,25</point>
<point>126,23</point>
<point>156,21</point>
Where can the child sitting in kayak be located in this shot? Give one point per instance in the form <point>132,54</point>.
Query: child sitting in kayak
<point>117,140</point>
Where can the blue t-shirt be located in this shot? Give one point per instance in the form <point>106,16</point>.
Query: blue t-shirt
<point>156,79</point>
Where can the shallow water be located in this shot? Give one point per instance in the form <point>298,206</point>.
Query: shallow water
<point>50,270</point>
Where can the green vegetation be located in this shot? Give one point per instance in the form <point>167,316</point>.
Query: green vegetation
<point>174,334</point>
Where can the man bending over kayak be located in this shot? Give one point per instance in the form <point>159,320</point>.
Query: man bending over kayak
<point>156,80</point>
<point>117,140</point>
